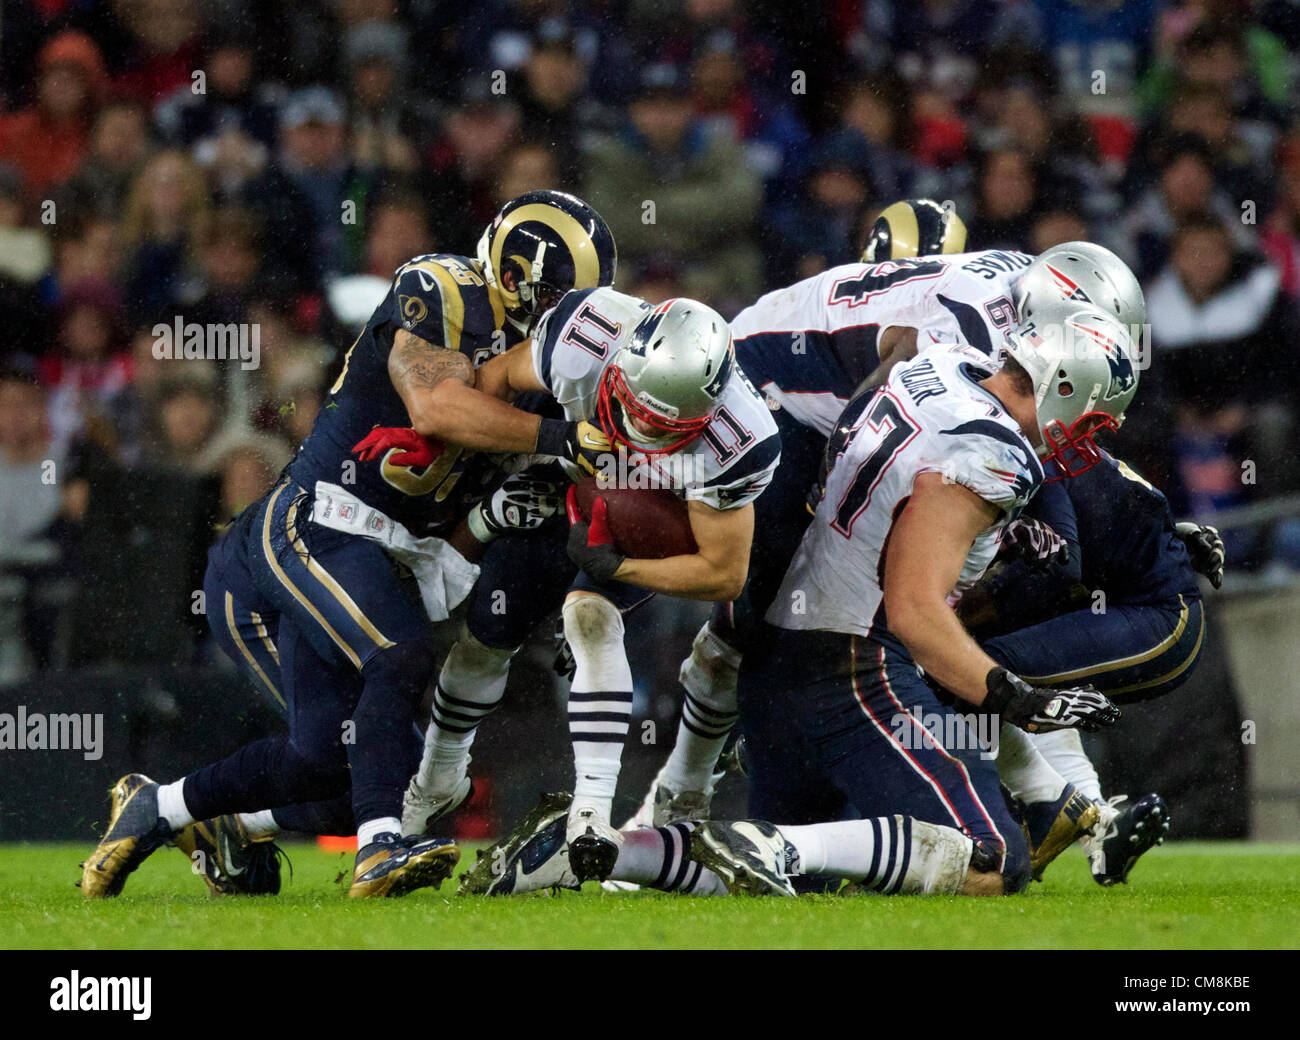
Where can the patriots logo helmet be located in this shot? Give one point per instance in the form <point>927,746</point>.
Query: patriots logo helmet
<point>1082,364</point>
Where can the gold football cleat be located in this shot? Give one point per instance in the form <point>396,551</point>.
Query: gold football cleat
<point>134,831</point>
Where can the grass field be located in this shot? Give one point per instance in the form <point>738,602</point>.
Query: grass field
<point>1183,895</point>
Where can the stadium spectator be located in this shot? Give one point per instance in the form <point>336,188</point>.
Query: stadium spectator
<point>118,150</point>
<point>1280,238</point>
<point>1006,200</point>
<point>671,189</point>
<point>48,140</point>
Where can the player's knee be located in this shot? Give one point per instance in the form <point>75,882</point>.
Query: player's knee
<point>710,672</point>
<point>476,660</point>
<point>592,624</point>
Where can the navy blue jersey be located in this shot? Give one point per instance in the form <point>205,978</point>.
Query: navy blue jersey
<point>444,300</point>
<point>1123,543</point>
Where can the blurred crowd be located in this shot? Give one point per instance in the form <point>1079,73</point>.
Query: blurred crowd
<point>271,163</point>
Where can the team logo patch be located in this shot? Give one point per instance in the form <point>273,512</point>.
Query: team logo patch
<point>347,512</point>
<point>1122,376</point>
<point>1070,289</point>
<point>413,310</point>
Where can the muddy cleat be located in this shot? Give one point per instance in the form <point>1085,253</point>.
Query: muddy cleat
<point>230,860</point>
<point>421,807</point>
<point>1124,835</point>
<point>534,856</point>
<point>134,831</point>
<point>1052,827</point>
<point>662,805</point>
<point>393,866</point>
<point>593,845</point>
<point>749,856</point>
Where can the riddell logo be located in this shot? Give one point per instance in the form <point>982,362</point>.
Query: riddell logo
<point>73,993</point>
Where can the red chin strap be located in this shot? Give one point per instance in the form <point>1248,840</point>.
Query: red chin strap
<point>613,387</point>
<point>1073,451</point>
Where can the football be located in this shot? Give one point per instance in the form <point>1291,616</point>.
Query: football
<point>647,523</point>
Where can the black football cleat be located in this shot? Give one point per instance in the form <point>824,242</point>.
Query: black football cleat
<point>229,859</point>
<point>533,857</point>
<point>1124,835</point>
<point>593,846</point>
<point>134,831</point>
<point>393,866</point>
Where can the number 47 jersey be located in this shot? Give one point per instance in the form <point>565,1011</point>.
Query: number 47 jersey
<point>726,467</point>
<point>932,416</point>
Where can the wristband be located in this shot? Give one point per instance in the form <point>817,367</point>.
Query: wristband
<point>552,437</point>
<point>478,526</point>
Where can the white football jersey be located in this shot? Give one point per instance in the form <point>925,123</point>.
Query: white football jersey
<point>727,466</point>
<point>809,345</point>
<point>932,416</point>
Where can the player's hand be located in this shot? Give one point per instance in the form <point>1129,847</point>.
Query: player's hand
<point>522,502</point>
<point>584,444</point>
<point>1035,542</point>
<point>591,544</point>
<point>1041,710</point>
<point>413,448</point>
<point>1205,547</point>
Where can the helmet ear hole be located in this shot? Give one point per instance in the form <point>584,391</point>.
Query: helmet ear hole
<point>1065,388</point>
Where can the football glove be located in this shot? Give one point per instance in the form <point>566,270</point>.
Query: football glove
<point>1041,710</point>
<point>520,503</point>
<point>1034,542</point>
<point>591,544</point>
<point>414,449</point>
<point>1205,547</point>
<point>581,443</point>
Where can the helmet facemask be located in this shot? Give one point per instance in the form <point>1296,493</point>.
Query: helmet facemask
<point>616,408</point>
<point>1073,451</point>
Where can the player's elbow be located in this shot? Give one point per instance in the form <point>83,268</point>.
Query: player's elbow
<point>910,614</point>
<point>436,413</point>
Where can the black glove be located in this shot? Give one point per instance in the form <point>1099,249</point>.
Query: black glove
<point>591,545</point>
<point>582,443</point>
<point>1040,710</point>
<point>1035,542</point>
<point>1205,547</point>
<point>520,503</point>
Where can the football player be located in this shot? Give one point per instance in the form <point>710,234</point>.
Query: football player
<point>807,347</point>
<point>661,386</point>
<point>1119,606</point>
<point>303,590</point>
<point>924,474</point>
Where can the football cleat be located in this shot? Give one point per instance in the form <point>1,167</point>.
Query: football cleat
<point>1124,835</point>
<point>1052,827</point>
<point>420,807</point>
<point>134,831</point>
<point>230,860</point>
<point>532,857</point>
<point>662,805</point>
<point>393,866</point>
<point>593,845</point>
<point>749,856</point>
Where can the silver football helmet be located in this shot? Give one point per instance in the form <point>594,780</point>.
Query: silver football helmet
<point>1083,273</point>
<point>1083,364</point>
<point>658,393</point>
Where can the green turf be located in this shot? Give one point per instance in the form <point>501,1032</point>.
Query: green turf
<point>1182,895</point>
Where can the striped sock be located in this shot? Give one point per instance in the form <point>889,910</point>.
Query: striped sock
<point>875,853</point>
<point>700,736</point>
<point>659,857</point>
<point>470,687</point>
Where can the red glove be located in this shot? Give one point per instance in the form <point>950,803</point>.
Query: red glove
<point>415,449</point>
<point>591,543</point>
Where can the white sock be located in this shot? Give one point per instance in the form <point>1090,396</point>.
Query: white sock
<point>470,687</point>
<point>1064,750</point>
<point>259,824</point>
<point>171,805</point>
<point>659,857</point>
<point>1023,768</point>
<point>600,700</point>
<point>708,714</point>
<point>868,851</point>
<point>383,824</point>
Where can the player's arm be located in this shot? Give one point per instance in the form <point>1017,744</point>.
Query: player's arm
<point>897,345</point>
<point>926,552</point>
<point>510,373</point>
<point>438,387</point>
<point>715,572</point>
